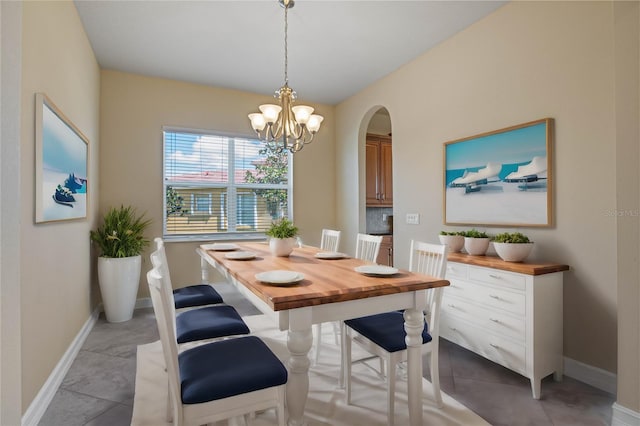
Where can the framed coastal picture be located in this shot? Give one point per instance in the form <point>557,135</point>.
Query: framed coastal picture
<point>62,156</point>
<point>500,178</point>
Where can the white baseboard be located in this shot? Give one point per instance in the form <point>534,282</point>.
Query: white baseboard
<point>596,377</point>
<point>622,416</point>
<point>42,400</point>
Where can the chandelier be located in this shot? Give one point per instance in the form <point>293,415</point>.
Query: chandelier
<point>284,126</point>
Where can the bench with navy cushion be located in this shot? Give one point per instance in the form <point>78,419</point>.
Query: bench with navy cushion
<point>228,368</point>
<point>386,330</point>
<point>196,295</point>
<point>209,323</point>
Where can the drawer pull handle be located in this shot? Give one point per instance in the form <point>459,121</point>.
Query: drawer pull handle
<point>493,296</point>
<point>493,345</point>
<point>498,277</point>
<point>495,320</point>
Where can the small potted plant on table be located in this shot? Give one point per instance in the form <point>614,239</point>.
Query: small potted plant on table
<point>512,247</point>
<point>282,233</point>
<point>476,243</point>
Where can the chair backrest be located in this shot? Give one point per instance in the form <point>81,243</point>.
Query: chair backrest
<point>330,240</point>
<point>166,328</point>
<point>367,247</point>
<point>430,259</point>
<point>162,257</point>
<point>159,262</point>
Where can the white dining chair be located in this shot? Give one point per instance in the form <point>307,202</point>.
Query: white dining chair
<point>190,295</point>
<point>218,380</point>
<point>330,241</point>
<point>368,247</point>
<point>383,335</point>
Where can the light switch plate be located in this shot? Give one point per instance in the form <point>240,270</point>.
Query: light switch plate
<point>413,218</point>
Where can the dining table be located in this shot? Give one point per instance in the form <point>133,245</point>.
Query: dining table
<point>325,287</point>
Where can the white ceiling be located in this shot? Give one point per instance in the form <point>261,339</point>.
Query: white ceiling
<point>336,48</point>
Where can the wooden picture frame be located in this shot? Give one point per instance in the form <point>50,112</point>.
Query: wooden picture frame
<point>62,160</point>
<point>500,178</point>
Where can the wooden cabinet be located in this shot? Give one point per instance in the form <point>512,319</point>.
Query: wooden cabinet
<point>379,171</point>
<point>510,313</point>
<point>385,255</point>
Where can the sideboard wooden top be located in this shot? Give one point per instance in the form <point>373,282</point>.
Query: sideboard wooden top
<point>497,263</point>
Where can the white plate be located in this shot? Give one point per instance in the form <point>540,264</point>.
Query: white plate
<point>280,277</point>
<point>376,270</point>
<point>219,246</point>
<point>240,255</point>
<point>330,255</point>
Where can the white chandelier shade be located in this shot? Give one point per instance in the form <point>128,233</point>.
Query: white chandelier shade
<point>284,126</point>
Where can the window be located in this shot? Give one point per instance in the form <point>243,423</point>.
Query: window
<point>218,186</point>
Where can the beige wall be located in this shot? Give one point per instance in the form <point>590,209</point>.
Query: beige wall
<point>627,56</point>
<point>134,109</point>
<point>526,61</point>
<point>55,266</point>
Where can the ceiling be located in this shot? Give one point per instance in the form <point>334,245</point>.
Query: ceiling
<point>336,48</point>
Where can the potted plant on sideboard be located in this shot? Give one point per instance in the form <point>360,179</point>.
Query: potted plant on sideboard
<point>512,247</point>
<point>121,241</point>
<point>476,242</point>
<point>283,237</point>
<point>453,240</point>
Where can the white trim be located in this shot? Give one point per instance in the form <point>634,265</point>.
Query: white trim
<point>42,400</point>
<point>622,416</point>
<point>596,377</point>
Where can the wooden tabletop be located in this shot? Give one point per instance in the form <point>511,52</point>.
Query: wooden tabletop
<point>326,281</point>
<point>497,263</point>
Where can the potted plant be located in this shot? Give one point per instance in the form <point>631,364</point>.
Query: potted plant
<point>282,233</point>
<point>512,247</point>
<point>476,242</point>
<point>453,240</point>
<point>121,240</point>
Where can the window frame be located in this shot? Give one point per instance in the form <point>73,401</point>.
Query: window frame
<point>231,187</point>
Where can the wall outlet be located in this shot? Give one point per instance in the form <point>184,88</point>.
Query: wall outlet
<point>413,218</point>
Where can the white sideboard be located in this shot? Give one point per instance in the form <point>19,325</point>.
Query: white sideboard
<point>509,313</point>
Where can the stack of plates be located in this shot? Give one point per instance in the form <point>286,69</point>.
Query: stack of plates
<point>280,277</point>
<point>330,255</point>
<point>219,247</point>
<point>376,270</point>
<point>240,255</point>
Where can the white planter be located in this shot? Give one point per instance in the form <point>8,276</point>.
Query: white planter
<point>476,246</point>
<point>282,246</point>
<point>453,242</point>
<point>513,252</point>
<point>118,279</point>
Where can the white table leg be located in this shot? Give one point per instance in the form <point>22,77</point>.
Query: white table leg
<point>299,343</point>
<point>413,325</point>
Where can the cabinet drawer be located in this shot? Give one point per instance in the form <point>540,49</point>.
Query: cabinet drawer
<point>490,296</point>
<point>499,278</point>
<point>456,270</point>
<point>490,319</point>
<point>498,349</point>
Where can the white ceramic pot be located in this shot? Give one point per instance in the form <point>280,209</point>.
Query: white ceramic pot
<point>476,246</point>
<point>118,279</point>
<point>453,242</point>
<point>513,252</point>
<point>282,246</point>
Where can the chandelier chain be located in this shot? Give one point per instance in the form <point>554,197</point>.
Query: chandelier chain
<point>286,47</point>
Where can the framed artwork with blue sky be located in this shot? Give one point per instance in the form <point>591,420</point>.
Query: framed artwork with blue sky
<point>500,178</point>
<point>62,157</point>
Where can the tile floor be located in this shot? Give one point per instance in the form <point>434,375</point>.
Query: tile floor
<point>98,389</point>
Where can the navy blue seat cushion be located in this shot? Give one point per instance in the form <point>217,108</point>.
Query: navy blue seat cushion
<point>209,323</point>
<point>386,330</point>
<point>196,295</point>
<point>227,368</point>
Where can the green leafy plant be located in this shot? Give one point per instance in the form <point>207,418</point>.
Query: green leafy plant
<point>516,238</point>
<point>282,228</point>
<point>121,233</point>
<point>272,169</point>
<point>175,203</point>
<point>474,233</point>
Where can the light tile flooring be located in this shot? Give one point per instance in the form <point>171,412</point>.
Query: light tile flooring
<point>98,389</point>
